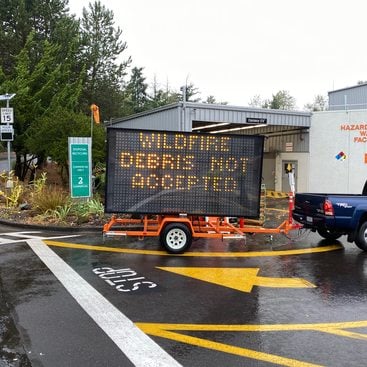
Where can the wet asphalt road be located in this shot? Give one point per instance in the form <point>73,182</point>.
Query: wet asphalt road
<point>236,303</point>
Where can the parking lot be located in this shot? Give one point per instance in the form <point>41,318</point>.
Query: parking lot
<point>72,299</point>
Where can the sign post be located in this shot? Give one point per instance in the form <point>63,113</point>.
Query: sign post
<point>80,163</point>
<point>7,117</point>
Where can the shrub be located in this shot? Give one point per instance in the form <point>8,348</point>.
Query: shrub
<point>84,209</point>
<point>50,198</point>
<point>40,183</point>
<point>13,189</point>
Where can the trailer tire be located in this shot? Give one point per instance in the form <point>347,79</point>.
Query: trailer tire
<point>329,234</point>
<point>361,238</point>
<point>176,238</point>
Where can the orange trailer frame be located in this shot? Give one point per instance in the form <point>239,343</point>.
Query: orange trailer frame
<point>195,227</point>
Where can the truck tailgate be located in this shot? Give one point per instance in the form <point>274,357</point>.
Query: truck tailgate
<point>308,209</point>
<point>309,204</point>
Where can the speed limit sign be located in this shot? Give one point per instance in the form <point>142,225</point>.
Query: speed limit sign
<point>7,115</point>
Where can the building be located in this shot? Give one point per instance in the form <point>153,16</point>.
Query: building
<point>338,151</point>
<point>350,98</point>
<point>286,132</point>
<point>338,137</point>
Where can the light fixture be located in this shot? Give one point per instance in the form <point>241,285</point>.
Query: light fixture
<point>237,128</point>
<point>209,126</point>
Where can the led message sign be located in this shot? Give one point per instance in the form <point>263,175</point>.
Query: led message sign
<point>155,172</point>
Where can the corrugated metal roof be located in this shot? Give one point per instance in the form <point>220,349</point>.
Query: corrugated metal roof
<point>347,88</point>
<point>184,116</point>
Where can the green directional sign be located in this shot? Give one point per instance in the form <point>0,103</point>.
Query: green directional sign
<point>80,167</point>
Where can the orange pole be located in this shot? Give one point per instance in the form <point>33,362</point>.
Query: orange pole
<point>290,207</point>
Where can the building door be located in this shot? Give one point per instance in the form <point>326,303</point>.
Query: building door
<point>289,167</point>
<point>268,174</point>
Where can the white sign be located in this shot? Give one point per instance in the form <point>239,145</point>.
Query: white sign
<point>6,129</point>
<point>6,133</point>
<point>7,115</point>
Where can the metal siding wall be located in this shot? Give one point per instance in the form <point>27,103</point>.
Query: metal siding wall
<point>278,143</point>
<point>177,118</point>
<point>356,98</point>
<point>164,120</point>
<point>231,115</point>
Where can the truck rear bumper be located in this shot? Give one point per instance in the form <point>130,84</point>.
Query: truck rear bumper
<point>309,222</point>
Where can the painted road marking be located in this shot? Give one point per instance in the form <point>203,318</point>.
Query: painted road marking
<point>170,331</point>
<point>240,279</point>
<point>311,250</point>
<point>132,341</point>
<point>16,237</point>
<point>124,280</point>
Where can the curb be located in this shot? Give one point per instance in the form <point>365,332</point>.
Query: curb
<point>52,228</point>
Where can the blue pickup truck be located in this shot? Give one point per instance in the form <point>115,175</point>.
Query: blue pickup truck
<point>334,215</point>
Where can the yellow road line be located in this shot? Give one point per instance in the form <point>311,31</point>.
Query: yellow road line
<point>230,349</point>
<point>322,327</point>
<point>311,250</point>
<point>169,331</point>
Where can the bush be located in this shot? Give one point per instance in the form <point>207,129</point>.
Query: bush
<point>12,190</point>
<point>48,203</point>
<point>84,209</point>
<point>49,198</point>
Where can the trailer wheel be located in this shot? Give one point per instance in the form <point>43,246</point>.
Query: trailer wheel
<point>361,238</point>
<point>176,238</point>
<point>329,234</point>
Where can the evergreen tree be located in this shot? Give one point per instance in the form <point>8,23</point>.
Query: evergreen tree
<point>19,18</point>
<point>135,95</point>
<point>102,47</point>
<point>40,89</point>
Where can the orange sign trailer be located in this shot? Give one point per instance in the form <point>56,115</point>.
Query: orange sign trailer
<point>159,174</point>
<point>176,232</point>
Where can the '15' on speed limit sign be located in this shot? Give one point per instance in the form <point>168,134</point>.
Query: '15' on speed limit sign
<point>7,116</point>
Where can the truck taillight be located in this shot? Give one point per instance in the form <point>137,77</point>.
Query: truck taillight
<point>328,208</point>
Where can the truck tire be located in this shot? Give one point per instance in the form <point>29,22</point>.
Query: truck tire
<point>176,238</point>
<point>361,238</point>
<point>329,234</point>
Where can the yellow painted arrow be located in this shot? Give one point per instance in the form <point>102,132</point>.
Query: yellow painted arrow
<point>180,333</point>
<point>240,279</point>
<point>165,331</point>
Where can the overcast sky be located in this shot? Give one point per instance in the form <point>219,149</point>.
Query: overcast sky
<point>235,49</point>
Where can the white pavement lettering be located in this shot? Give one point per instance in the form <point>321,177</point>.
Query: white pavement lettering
<point>137,346</point>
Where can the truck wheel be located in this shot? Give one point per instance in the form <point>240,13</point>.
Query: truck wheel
<point>361,238</point>
<point>176,238</point>
<point>329,234</point>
